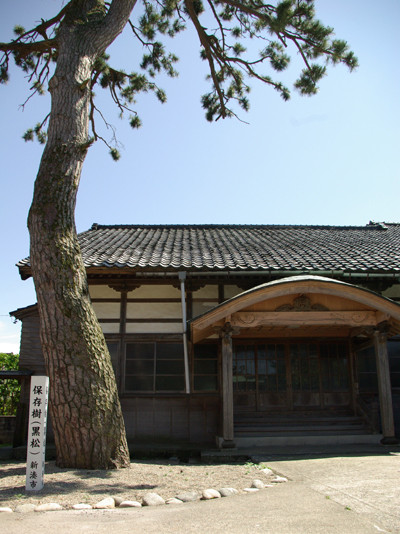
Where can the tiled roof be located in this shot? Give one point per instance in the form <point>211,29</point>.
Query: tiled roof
<point>374,247</point>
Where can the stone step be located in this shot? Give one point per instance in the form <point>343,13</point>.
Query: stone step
<point>277,415</point>
<point>302,440</point>
<point>298,422</point>
<point>308,432</point>
<point>268,430</point>
<point>259,424</point>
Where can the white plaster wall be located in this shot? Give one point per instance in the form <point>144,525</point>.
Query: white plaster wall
<point>156,291</point>
<point>154,328</point>
<point>154,310</point>
<point>110,328</point>
<point>107,310</point>
<point>393,291</point>
<point>103,292</point>
<point>201,307</point>
<point>231,291</point>
<point>207,292</point>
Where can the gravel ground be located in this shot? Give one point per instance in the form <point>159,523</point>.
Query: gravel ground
<point>165,477</point>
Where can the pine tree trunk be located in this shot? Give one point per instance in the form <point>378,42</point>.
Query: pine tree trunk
<point>84,405</point>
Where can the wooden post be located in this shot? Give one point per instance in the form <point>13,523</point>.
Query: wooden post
<point>227,388</point>
<point>351,367</point>
<point>385,388</point>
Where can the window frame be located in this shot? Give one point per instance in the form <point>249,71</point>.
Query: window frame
<point>217,374</point>
<point>154,374</point>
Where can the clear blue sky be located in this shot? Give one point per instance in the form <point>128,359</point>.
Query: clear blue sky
<point>331,159</point>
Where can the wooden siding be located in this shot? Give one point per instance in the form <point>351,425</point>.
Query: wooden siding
<point>7,428</point>
<point>191,418</point>
<point>31,356</point>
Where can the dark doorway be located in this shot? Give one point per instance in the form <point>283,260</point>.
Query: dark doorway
<point>270,376</point>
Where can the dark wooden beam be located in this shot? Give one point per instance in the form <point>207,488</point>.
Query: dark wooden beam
<point>227,387</point>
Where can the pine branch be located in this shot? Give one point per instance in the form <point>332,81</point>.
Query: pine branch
<point>217,18</point>
<point>24,49</point>
<point>205,41</point>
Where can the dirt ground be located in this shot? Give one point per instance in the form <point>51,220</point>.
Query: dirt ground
<point>165,477</point>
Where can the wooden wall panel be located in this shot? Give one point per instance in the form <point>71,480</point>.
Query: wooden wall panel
<point>31,356</point>
<point>171,419</point>
<point>180,419</point>
<point>144,418</point>
<point>162,416</point>
<point>7,428</point>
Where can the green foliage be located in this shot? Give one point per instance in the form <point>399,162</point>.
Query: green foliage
<point>114,153</point>
<point>19,30</point>
<point>9,388</point>
<point>307,83</point>
<point>224,27</point>
<point>135,122</point>
<point>37,132</point>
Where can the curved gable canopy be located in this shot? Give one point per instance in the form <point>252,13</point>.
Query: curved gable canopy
<point>300,306</point>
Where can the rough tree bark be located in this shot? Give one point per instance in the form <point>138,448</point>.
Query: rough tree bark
<point>84,405</point>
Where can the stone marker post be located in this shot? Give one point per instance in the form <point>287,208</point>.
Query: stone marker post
<point>39,394</point>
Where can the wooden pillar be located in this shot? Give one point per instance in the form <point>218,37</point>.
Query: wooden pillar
<point>227,388</point>
<point>121,347</point>
<point>352,372</point>
<point>384,386</point>
<point>123,287</point>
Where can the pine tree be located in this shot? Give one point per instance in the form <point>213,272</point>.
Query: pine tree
<point>68,54</point>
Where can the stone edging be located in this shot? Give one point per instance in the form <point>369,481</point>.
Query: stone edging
<point>150,499</point>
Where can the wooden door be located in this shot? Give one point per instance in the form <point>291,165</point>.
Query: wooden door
<point>290,376</point>
<point>260,377</point>
<point>273,381</point>
<point>244,378</point>
<point>305,375</point>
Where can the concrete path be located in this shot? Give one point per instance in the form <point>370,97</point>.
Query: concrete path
<point>285,509</point>
<point>369,485</point>
<point>337,494</point>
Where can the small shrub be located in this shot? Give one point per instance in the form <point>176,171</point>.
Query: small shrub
<point>9,388</point>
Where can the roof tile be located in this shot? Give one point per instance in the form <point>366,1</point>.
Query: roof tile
<point>374,247</point>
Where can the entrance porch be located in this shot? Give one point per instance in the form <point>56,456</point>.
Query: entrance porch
<point>293,354</point>
<point>296,392</point>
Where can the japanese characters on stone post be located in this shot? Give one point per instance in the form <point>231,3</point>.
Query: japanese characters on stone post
<point>39,394</point>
